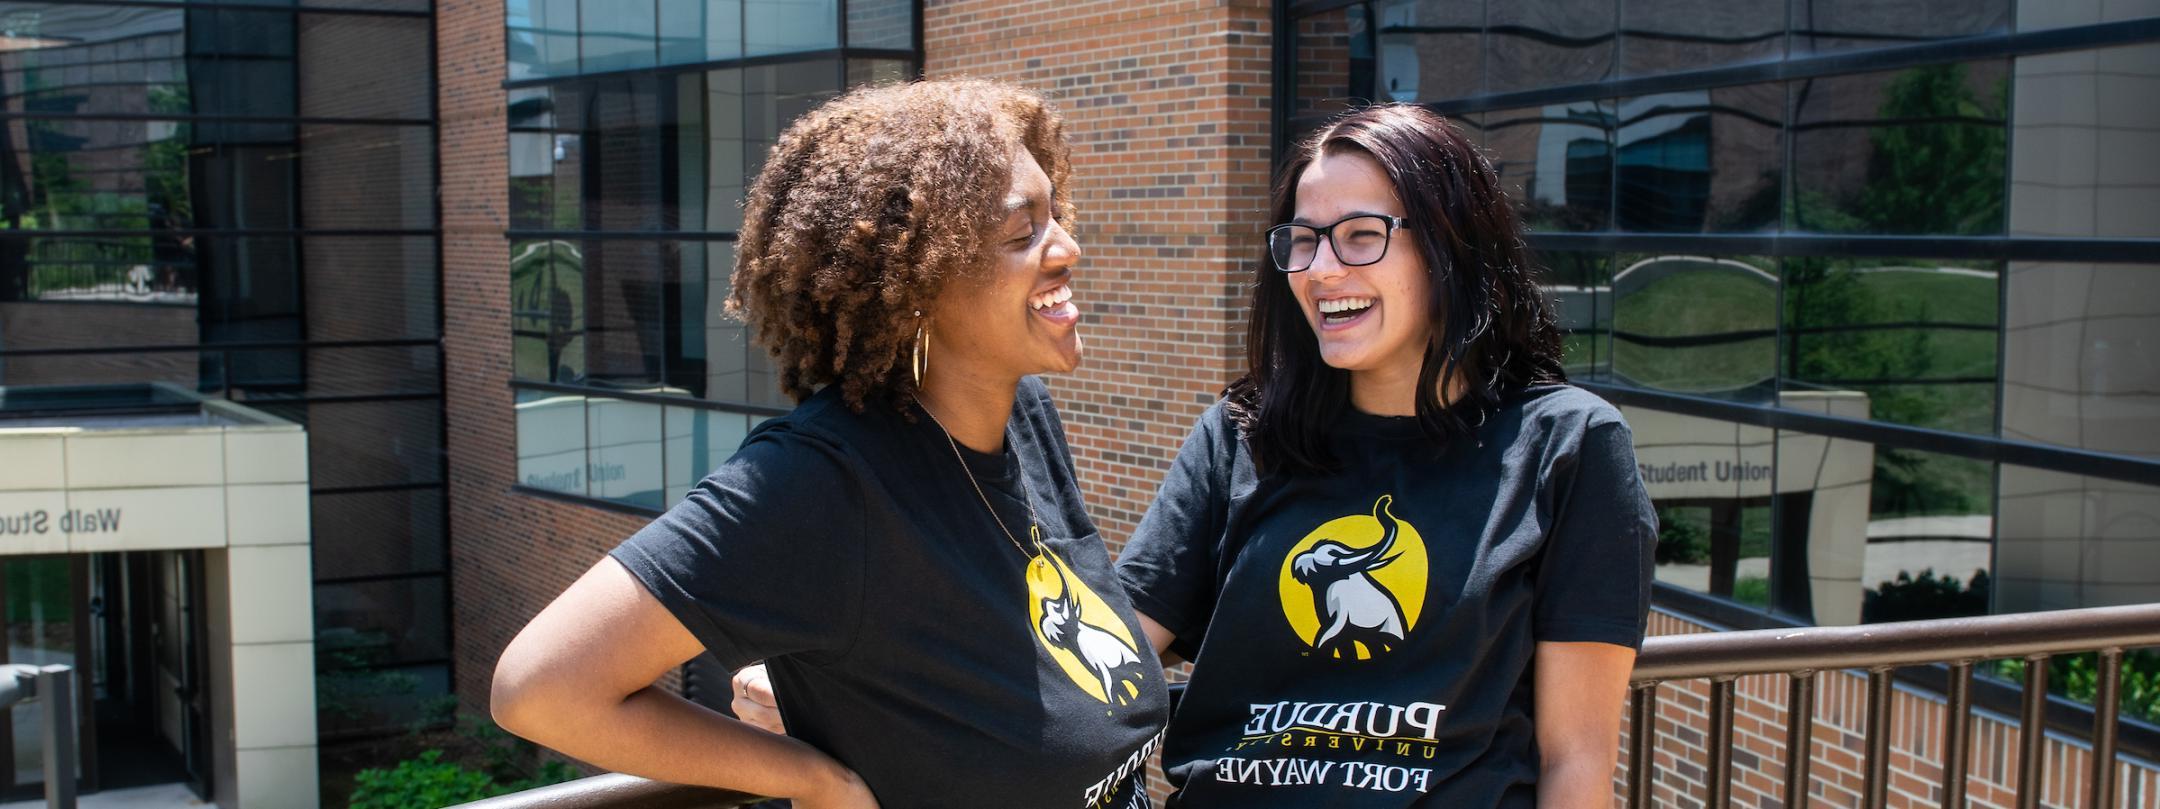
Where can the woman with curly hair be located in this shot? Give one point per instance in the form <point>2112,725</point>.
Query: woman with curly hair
<point>907,548</point>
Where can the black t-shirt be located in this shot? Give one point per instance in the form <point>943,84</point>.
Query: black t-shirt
<point>905,635</point>
<point>1365,638</point>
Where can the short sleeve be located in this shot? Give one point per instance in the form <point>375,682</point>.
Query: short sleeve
<point>764,557</point>
<point>1594,577</point>
<point>1169,567</point>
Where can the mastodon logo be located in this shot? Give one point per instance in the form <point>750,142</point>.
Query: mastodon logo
<point>1082,633</point>
<point>1353,588</point>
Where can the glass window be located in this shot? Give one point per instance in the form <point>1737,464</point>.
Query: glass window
<point>1560,42</point>
<point>625,332</point>
<point>2070,541</point>
<point>49,51</point>
<point>1429,50</point>
<point>370,287</point>
<point>365,177</point>
<point>1580,285</point>
<point>727,156</point>
<point>788,26</point>
<point>1913,339</point>
<point>617,35</point>
<point>687,307</point>
<point>1667,36</point>
<point>381,623</point>
<point>354,444</point>
<point>354,66</point>
<point>541,38</point>
<point>383,533</point>
<point>1555,162</point>
<point>1869,534</point>
<point>1701,160</point>
<point>2078,368</point>
<point>1714,487</point>
<point>698,441</point>
<point>374,370</point>
<point>1334,61</point>
<point>551,441</point>
<point>879,71</point>
<point>92,174</point>
<point>622,454</point>
<point>2086,150</point>
<point>1823,530</point>
<point>693,31</point>
<point>881,24</point>
<point>1919,151</point>
<point>626,166</point>
<point>1838,25</point>
<point>547,310</point>
<point>1704,325</point>
<point>774,96</point>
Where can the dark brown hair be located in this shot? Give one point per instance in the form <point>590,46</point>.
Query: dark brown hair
<point>867,208</point>
<point>1491,325</point>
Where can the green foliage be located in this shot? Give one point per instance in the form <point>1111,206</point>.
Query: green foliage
<point>1753,590</point>
<point>1924,598</point>
<point>426,782</point>
<point>1944,176</point>
<point>1681,541</point>
<point>494,766</point>
<point>2078,676</point>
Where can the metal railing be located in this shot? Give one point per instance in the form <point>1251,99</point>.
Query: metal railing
<point>54,687</point>
<point>1721,658</point>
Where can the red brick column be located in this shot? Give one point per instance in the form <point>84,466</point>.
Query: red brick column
<point>509,554</point>
<point>1167,105</point>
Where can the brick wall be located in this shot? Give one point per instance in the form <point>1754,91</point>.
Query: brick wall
<point>1837,775</point>
<point>510,553</point>
<point>1167,107</point>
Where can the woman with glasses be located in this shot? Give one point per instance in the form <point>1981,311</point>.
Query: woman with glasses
<point>1410,564</point>
<point>907,547</point>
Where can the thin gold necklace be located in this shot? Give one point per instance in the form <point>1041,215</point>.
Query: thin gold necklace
<point>1034,528</point>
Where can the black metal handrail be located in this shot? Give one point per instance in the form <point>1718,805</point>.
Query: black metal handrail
<point>1721,657</point>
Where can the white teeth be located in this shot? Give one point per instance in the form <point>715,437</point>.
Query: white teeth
<point>1052,298</point>
<point>1339,305</point>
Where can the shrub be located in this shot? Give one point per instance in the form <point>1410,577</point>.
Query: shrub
<point>1924,598</point>
<point>1682,541</point>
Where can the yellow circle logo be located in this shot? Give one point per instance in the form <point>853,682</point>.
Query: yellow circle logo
<point>1082,633</point>
<point>1354,587</point>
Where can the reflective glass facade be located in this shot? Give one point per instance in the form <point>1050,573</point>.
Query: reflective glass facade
<point>1877,283</point>
<point>635,129</point>
<point>240,199</point>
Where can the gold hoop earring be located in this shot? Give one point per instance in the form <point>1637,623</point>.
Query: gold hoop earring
<point>921,363</point>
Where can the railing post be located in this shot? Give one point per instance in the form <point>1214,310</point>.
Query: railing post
<point>2032,732</point>
<point>1957,733</point>
<point>1877,784</point>
<point>2107,704</point>
<point>1642,742</point>
<point>1721,731</point>
<point>56,688</point>
<point>1799,737</point>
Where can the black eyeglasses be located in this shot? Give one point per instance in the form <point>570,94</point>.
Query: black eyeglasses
<point>1359,240</point>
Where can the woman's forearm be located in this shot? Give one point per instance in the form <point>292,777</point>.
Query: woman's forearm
<point>658,735</point>
<point>1575,782</point>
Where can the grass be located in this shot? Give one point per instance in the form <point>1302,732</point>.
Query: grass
<point>1697,303</point>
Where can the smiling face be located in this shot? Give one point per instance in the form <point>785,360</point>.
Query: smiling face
<point>1372,318</point>
<point>1020,318</point>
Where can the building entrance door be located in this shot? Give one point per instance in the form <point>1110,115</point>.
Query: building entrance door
<point>148,648</point>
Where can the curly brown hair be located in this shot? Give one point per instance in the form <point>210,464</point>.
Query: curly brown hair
<point>867,207</point>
